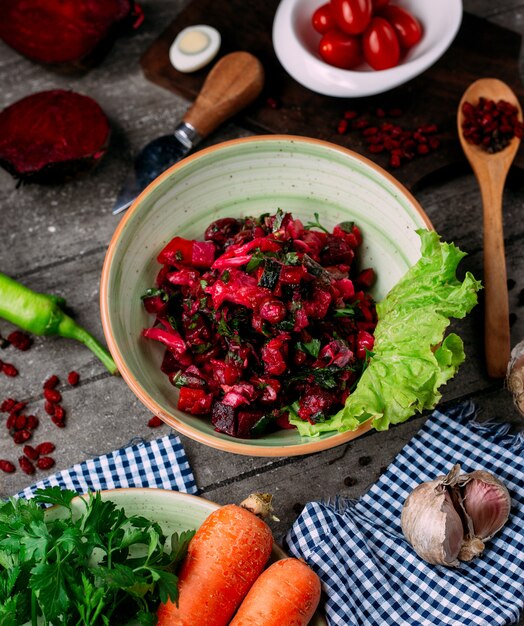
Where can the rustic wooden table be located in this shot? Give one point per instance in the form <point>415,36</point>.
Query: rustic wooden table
<point>54,240</point>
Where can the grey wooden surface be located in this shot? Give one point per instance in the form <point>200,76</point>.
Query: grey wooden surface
<point>54,239</point>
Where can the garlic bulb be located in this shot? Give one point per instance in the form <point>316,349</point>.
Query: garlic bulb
<point>515,376</point>
<point>448,519</point>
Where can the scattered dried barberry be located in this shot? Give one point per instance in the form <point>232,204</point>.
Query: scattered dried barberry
<point>31,453</point>
<point>7,466</point>
<point>46,447</point>
<point>26,465</point>
<point>155,422</point>
<point>9,369</point>
<point>52,395</point>
<point>491,125</point>
<point>45,463</point>
<point>19,340</point>
<point>73,378</point>
<point>51,382</point>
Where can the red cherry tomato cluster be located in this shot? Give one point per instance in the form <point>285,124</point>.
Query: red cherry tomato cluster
<point>371,30</point>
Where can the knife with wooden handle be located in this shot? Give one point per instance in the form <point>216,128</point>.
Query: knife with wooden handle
<point>235,81</point>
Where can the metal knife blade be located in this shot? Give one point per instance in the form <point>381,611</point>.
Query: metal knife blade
<point>233,83</point>
<point>156,157</point>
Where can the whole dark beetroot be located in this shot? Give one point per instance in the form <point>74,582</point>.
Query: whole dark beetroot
<point>52,136</point>
<point>69,36</point>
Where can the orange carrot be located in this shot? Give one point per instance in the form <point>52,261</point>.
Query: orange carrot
<point>224,558</point>
<point>286,594</point>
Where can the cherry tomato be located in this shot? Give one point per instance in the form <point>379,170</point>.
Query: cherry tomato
<point>380,44</point>
<point>341,50</point>
<point>378,4</point>
<point>323,19</point>
<point>407,27</point>
<point>352,16</point>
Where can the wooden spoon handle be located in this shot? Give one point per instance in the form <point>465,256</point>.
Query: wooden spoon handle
<point>233,83</point>
<point>496,307</point>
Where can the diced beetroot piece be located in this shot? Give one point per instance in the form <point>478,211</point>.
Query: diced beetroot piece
<point>224,262</point>
<point>365,341</point>
<point>336,251</point>
<point>240,289</point>
<point>301,320</point>
<point>334,353</point>
<point>234,399</point>
<point>203,254</point>
<point>293,228</point>
<point>72,35</point>
<point>225,373</point>
<point>154,304</point>
<point>221,230</point>
<point>179,251</point>
<point>194,401</point>
<point>366,278</point>
<point>282,421</point>
<point>224,418</point>
<point>270,389</point>
<point>318,305</point>
<point>245,422</point>
<point>52,136</point>
<point>345,287</point>
<point>273,311</point>
<point>169,364</point>
<point>312,243</point>
<point>292,274</point>
<point>274,355</point>
<point>316,401</point>
<point>173,341</point>
<point>183,277</point>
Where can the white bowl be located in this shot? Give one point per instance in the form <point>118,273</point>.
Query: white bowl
<point>296,46</point>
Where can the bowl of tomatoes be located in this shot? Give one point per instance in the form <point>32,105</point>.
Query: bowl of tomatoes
<point>356,48</point>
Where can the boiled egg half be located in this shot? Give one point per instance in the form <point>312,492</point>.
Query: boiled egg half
<point>194,47</point>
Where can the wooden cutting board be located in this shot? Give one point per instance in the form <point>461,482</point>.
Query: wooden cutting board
<point>481,49</point>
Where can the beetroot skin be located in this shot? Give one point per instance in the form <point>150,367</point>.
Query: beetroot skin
<point>52,136</point>
<point>68,34</point>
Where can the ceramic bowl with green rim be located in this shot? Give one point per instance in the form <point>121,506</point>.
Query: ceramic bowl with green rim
<point>235,179</point>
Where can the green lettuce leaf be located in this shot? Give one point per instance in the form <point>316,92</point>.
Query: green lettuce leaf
<point>411,359</point>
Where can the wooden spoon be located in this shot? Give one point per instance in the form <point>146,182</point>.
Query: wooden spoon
<point>491,171</point>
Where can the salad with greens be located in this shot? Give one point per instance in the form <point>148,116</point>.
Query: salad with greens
<point>411,357</point>
<point>83,563</point>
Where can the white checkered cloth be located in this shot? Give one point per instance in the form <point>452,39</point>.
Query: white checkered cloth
<point>160,463</point>
<point>372,576</point>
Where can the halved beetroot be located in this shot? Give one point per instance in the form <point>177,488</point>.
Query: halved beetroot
<point>52,136</point>
<point>69,33</point>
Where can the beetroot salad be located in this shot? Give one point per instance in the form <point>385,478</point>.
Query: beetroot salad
<point>265,317</point>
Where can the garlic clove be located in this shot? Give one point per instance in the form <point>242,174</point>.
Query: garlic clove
<point>486,501</point>
<point>432,525</point>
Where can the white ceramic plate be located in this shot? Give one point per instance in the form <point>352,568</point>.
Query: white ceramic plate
<point>174,512</point>
<point>296,46</point>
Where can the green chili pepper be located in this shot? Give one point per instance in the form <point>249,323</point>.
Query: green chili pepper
<point>42,314</point>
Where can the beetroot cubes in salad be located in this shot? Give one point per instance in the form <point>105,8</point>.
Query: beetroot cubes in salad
<point>265,318</point>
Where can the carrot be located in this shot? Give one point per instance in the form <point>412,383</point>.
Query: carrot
<point>224,558</point>
<point>286,594</point>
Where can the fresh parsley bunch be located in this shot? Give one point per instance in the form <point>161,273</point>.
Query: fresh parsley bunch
<point>93,567</point>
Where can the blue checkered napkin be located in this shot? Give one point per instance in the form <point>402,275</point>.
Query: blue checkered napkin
<point>372,576</point>
<point>159,463</point>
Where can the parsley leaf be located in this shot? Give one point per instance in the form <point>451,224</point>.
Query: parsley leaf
<point>85,562</point>
<point>316,224</point>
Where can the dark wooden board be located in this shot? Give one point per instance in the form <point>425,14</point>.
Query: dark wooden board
<point>481,49</point>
